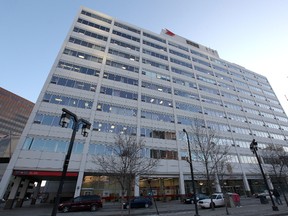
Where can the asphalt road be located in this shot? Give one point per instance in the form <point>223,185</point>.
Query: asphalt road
<point>249,207</point>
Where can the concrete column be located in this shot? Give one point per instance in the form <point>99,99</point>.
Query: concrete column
<point>11,198</point>
<point>136,186</point>
<point>35,193</point>
<point>23,191</point>
<point>79,183</point>
<point>181,184</point>
<point>246,185</point>
<point>217,184</point>
<point>269,182</point>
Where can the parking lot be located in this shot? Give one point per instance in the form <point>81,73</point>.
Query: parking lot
<point>249,207</point>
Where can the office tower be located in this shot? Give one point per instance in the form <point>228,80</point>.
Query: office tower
<point>14,113</point>
<point>121,77</point>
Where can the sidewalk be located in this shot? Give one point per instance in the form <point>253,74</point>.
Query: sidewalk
<point>250,207</point>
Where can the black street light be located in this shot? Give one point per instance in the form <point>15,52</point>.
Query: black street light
<point>254,149</point>
<point>151,191</point>
<point>192,174</point>
<point>64,122</point>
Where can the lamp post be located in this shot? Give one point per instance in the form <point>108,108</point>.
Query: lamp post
<point>151,191</point>
<point>254,149</point>
<point>64,122</point>
<point>192,174</point>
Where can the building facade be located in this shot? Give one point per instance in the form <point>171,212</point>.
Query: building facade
<point>121,77</point>
<point>14,113</point>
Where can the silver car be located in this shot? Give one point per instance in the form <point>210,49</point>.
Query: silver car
<point>217,200</point>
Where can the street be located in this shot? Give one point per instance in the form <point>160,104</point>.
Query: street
<point>249,207</point>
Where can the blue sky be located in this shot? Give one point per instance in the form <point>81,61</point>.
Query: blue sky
<point>253,34</point>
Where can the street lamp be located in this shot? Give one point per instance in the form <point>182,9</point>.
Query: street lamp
<point>151,191</point>
<point>64,122</point>
<point>192,174</point>
<point>254,149</point>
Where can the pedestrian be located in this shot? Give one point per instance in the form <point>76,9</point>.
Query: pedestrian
<point>277,196</point>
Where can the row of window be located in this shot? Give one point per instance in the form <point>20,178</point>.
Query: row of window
<point>118,78</point>
<point>82,55</point>
<point>135,58</point>
<point>102,149</point>
<point>122,66</point>
<point>90,34</point>
<point>152,133</point>
<point>86,44</point>
<point>51,145</point>
<point>67,101</point>
<point>115,109</point>
<point>157,116</point>
<point>124,55</point>
<point>118,93</point>
<point>73,83</point>
<point>61,146</point>
<point>93,25</point>
<point>180,47</point>
<point>54,120</point>
<point>114,128</point>
<point>51,120</point>
<point>124,94</point>
<point>77,68</point>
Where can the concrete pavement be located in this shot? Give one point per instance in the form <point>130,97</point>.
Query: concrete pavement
<point>250,207</point>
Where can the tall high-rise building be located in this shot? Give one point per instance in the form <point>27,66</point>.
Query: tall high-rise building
<point>14,113</point>
<point>121,77</point>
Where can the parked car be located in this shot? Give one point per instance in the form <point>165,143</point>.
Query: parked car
<point>265,194</point>
<point>138,202</point>
<point>217,200</point>
<point>80,203</point>
<point>190,199</point>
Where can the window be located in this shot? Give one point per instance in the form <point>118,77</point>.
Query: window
<point>183,72</point>
<point>124,55</point>
<point>90,34</point>
<point>127,36</point>
<point>188,107</point>
<point>118,78</point>
<point>122,66</point>
<point>178,46</point>
<point>86,44</point>
<point>185,64</point>
<point>127,27</point>
<point>73,83</point>
<point>95,16</point>
<point>180,54</point>
<point>78,68</point>
<point>157,116</point>
<point>154,54</point>
<point>156,87</point>
<point>154,45</point>
<point>126,45</point>
<point>155,64</point>
<point>109,108</point>
<point>109,127</point>
<point>118,93</point>
<point>154,37</point>
<point>156,101</point>
<point>68,101</point>
<point>83,55</point>
<point>155,75</point>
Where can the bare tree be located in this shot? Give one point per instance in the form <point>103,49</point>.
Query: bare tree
<point>276,158</point>
<point>210,152</point>
<point>125,161</point>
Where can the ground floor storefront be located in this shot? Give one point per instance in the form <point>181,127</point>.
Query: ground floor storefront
<point>162,188</point>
